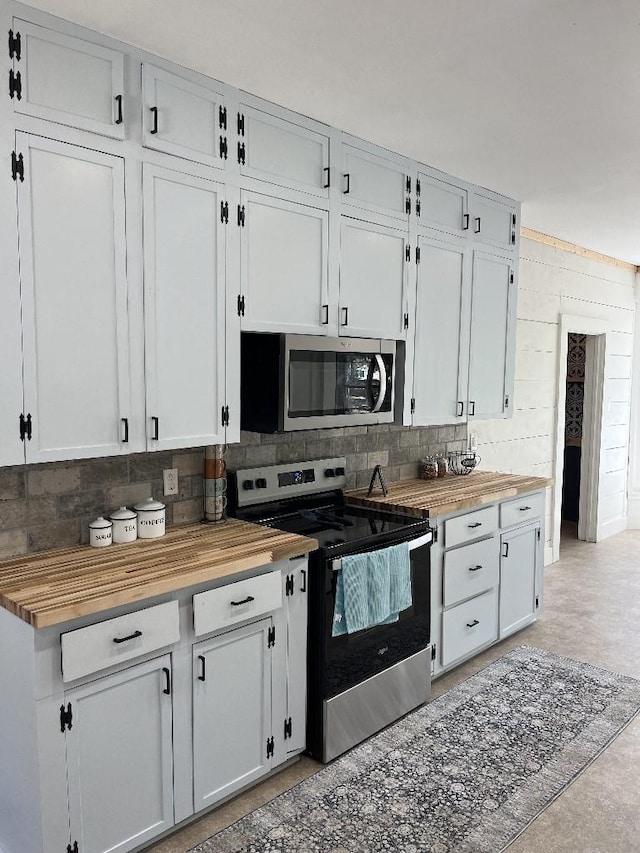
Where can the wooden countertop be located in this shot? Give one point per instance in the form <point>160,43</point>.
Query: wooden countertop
<point>430,498</point>
<point>48,589</point>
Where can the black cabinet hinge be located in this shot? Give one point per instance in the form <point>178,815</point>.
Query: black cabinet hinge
<point>17,166</point>
<point>66,717</point>
<point>408,184</point>
<point>15,84</point>
<point>434,532</point>
<point>240,306</point>
<point>513,229</point>
<point>537,601</point>
<point>413,405</point>
<point>242,153</point>
<point>418,253</point>
<point>270,746</point>
<point>406,321</point>
<point>222,117</point>
<point>407,205</point>
<point>15,45</point>
<point>288,585</point>
<point>224,148</point>
<point>225,416</point>
<point>224,212</point>
<point>241,216</point>
<point>433,652</point>
<point>240,124</point>
<point>271,637</point>
<point>287,728</point>
<point>407,252</point>
<point>418,207</point>
<point>418,187</point>
<point>538,534</point>
<point>73,849</point>
<point>511,277</point>
<point>26,426</point>
<point>506,402</point>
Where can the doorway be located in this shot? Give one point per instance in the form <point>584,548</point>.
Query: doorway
<point>573,431</point>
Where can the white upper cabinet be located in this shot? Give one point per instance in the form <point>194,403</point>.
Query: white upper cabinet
<point>281,152</point>
<point>184,274</point>
<point>494,222</point>
<point>283,266</point>
<point>183,118</point>
<point>373,278</point>
<point>67,80</point>
<point>74,298</point>
<point>374,183</point>
<point>442,205</point>
<point>441,353</point>
<point>492,349</point>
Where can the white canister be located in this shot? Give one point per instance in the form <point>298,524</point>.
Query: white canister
<point>150,519</point>
<point>100,533</point>
<point>125,525</point>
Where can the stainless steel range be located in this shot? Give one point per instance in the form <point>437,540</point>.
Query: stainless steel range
<point>360,681</point>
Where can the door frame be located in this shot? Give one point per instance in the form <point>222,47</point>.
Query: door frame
<point>597,332</point>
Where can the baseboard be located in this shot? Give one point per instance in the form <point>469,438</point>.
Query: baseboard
<point>610,528</point>
<point>548,555</point>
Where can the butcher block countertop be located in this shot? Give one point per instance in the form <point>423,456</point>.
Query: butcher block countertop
<point>51,588</point>
<point>430,498</point>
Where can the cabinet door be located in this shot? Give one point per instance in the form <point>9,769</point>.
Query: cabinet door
<point>518,565</point>
<point>373,183</point>
<point>373,273</point>
<point>296,604</point>
<point>441,354</point>
<point>283,266</point>
<point>74,296</point>
<point>493,327</point>
<point>184,258</point>
<point>231,712</point>
<point>183,118</point>
<point>283,153</point>
<point>494,222</point>
<point>69,80</point>
<point>119,758</point>
<point>442,205</point>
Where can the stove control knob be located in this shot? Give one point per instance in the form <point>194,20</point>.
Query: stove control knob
<point>247,484</point>
<point>261,483</point>
<point>329,472</point>
<point>340,472</point>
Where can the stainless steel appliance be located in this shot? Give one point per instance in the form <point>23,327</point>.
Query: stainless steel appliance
<point>291,382</point>
<point>359,682</point>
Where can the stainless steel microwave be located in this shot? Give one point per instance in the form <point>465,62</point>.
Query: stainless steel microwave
<point>294,382</point>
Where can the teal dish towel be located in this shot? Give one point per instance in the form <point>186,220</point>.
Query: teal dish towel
<point>372,589</point>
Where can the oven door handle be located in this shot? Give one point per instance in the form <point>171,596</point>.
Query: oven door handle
<point>426,539</point>
<point>383,383</point>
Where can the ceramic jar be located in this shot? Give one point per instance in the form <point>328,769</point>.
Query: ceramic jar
<point>125,525</point>
<point>151,516</point>
<point>100,533</point>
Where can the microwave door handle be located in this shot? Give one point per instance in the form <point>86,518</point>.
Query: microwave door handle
<point>383,383</point>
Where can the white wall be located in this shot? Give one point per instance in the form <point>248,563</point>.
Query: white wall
<point>553,282</point>
<point>634,449</point>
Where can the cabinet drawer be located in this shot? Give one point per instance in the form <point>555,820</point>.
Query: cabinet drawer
<point>116,640</point>
<point>471,570</point>
<point>473,525</point>
<point>524,508</point>
<point>469,626</point>
<point>236,602</point>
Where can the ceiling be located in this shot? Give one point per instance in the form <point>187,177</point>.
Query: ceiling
<point>537,99</point>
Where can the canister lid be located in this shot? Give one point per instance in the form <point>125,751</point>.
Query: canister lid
<point>124,514</point>
<point>100,523</point>
<point>149,505</point>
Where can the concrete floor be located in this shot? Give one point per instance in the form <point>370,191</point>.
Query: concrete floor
<point>591,613</point>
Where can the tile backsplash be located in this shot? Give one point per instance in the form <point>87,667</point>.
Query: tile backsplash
<point>50,505</point>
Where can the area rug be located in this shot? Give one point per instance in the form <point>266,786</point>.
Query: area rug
<point>466,773</point>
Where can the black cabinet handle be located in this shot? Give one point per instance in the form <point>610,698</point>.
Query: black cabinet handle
<point>524,508</point>
<point>347,177</point>
<point>125,423</point>
<point>327,171</point>
<point>472,407</point>
<point>118,118</point>
<point>345,320</point>
<point>325,312</point>
<point>465,221</point>
<point>167,675</point>
<point>303,588</point>
<point>460,406</point>
<point>475,524</point>
<point>203,671</point>
<point>244,601</point>
<point>476,227</point>
<point>130,637</point>
<point>474,568</point>
<point>472,624</point>
<point>505,553</point>
<point>154,113</point>
<point>156,428</point>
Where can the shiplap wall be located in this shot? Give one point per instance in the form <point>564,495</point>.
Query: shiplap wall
<point>552,282</point>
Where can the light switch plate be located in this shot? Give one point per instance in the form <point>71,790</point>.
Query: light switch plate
<point>170,479</point>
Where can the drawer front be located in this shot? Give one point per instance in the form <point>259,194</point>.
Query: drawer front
<point>471,526</point>
<point>525,508</point>
<point>469,626</point>
<point>471,570</point>
<point>236,602</point>
<point>116,640</point>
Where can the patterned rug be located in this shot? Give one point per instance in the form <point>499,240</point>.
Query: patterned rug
<point>466,773</point>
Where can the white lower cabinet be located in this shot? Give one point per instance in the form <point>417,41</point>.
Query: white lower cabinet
<point>120,758</point>
<point>518,573</point>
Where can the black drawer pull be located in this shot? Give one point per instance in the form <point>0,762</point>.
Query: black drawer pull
<point>244,601</point>
<point>156,428</point>
<point>130,637</point>
<point>459,409</point>
<point>118,118</point>
<point>472,624</point>
<point>465,221</point>
<point>154,113</point>
<point>203,673</point>
<point>347,178</point>
<point>327,171</point>
<point>475,524</point>
<point>524,508</point>
<point>303,588</point>
<point>325,315</point>
<point>125,423</point>
<point>476,229</point>
<point>505,553</point>
<point>167,675</point>
<point>474,568</point>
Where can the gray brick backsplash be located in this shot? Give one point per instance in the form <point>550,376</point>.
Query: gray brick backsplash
<point>13,543</point>
<point>188,463</point>
<point>53,481</point>
<point>185,512</point>
<point>55,534</point>
<point>378,457</point>
<point>81,503</point>
<point>261,455</point>
<point>127,495</point>
<point>97,472</point>
<point>366,443</point>
<point>149,466</point>
<point>318,448</point>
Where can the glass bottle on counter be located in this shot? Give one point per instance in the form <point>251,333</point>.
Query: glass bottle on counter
<point>428,468</point>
